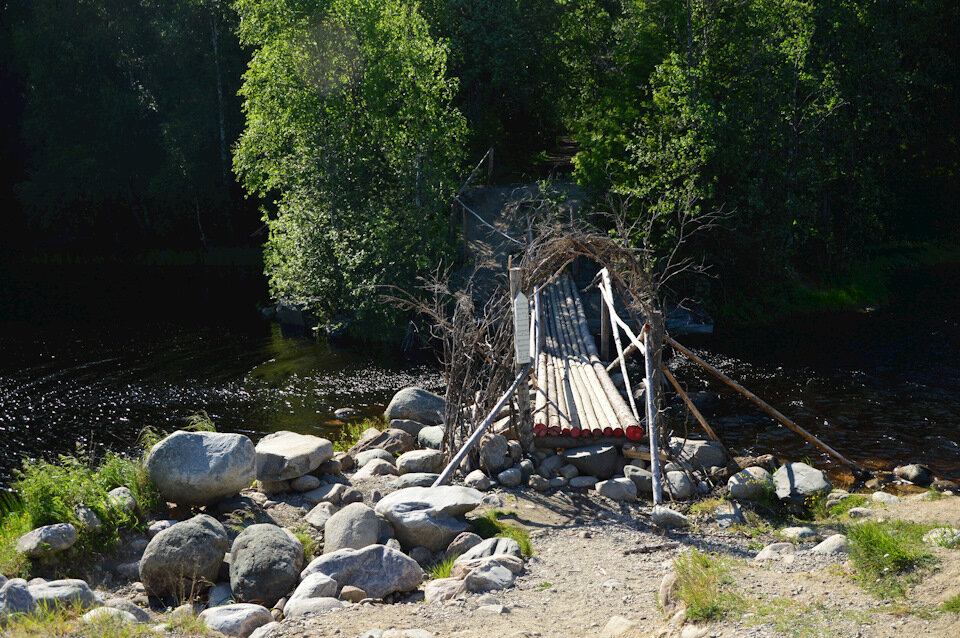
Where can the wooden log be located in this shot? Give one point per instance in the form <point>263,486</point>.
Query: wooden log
<point>636,451</point>
<point>620,411</point>
<point>604,331</point>
<point>549,441</point>
<point>693,409</point>
<point>584,411</point>
<point>769,409</point>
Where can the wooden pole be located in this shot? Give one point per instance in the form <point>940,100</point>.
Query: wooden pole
<point>652,423</point>
<point>606,298</point>
<point>523,395</point>
<point>604,330</point>
<point>475,436</point>
<point>693,409</point>
<point>769,409</point>
<point>587,415</point>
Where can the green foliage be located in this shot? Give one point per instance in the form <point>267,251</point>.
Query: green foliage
<point>442,569</point>
<point>703,583</point>
<point>351,432</point>
<point>489,525</point>
<point>14,523</point>
<point>311,545</point>
<point>200,422</point>
<point>349,121</point>
<point>119,471</point>
<point>847,504</point>
<point>886,555</point>
<point>952,604</point>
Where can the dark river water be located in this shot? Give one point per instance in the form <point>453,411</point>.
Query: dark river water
<point>90,355</point>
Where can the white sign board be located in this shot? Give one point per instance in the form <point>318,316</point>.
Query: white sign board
<point>521,328</point>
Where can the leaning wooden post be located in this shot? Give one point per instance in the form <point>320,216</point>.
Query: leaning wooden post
<point>463,215</point>
<point>604,330</point>
<point>521,324</point>
<point>652,418</point>
<point>693,409</point>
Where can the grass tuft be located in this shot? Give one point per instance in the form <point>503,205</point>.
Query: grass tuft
<point>887,555</point>
<point>442,569</point>
<point>311,546</point>
<point>952,604</point>
<point>200,422</point>
<point>60,620</point>
<point>854,500</point>
<point>703,583</point>
<point>489,526</point>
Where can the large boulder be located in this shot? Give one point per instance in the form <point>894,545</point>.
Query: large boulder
<point>491,576</point>
<point>200,468</point>
<point>593,460</point>
<point>798,481</point>
<point>417,405</point>
<point>239,620</point>
<point>15,598</point>
<point>286,455</point>
<point>698,453</point>
<point>393,441</point>
<point>376,569</point>
<point>423,461</point>
<point>355,526</point>
<point>182,559</point>
<point>431,437</point>
<point>678,484</point>
<point>265,564</point>
<point>59,594</point>
<point>494,453</point>
<point>750,484</point>
<point>410,427</point>
<point>428,516</point>
<point>47,540</point>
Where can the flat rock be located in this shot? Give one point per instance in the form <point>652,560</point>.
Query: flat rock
<point>618,626</point>
<point>200,468</point>
<point>416,404</point>
<point>305,483</point>
<point>413,479</point>
<point>492,547</point>
<point>302,607</point>
<point>797,481</point>
<point>376,569</point>
<point>580,482</point>
<point>751,484</point>
<point>443,589</point>
<point>593,460</point>
<point>239,619</point>
<point>265,563</point>
<point>775,551</point>
<point>667,518</point>
<point>507,561</point>
<point>698,453</point>
<point>283,455</point>
<point>428,516</point>
<point>355,526</point>
<point>331,493</point>
<point>835,544</point>
<point>884,497</point>
<point>63,593</point>
<point>139,613</point>
<point>420,461</point>
<point>478,481</point>
<point>431,437</point>
<point>47,540</point>
<point>727,514</point>
<point>352,594</point>
<point>179,559</point>
<point>410,427</point>
<point>104,614</point>
<point>618,489</point>
<point>860,512</point>
<point>393,441</point>
<point>798,533</point>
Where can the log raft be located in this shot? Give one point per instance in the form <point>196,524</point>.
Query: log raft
<point>576,401</point>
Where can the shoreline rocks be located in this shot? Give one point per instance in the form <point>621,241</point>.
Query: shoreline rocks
<point>201,468</point>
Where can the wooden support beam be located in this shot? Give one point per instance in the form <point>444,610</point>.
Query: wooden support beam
<point>769,409</point>
<point>523,395</point>
<point>693,409</point>
<point>652,420</point>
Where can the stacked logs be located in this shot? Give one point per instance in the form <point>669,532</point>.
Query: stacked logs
<point>575,395</point>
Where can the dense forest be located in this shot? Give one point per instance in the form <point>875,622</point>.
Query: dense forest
<point>827,131</point>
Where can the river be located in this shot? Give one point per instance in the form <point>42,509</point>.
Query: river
<point>90,355</point>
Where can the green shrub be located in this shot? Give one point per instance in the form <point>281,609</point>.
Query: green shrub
<point>488,526</point>
<point>14,523</point>
<point>118,471</point>
<point>885,553</point>
<point>703,583</point>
